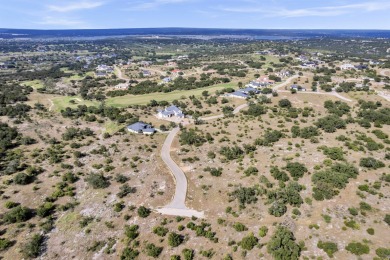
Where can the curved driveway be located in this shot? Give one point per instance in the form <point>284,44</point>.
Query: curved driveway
<point>177,206</point>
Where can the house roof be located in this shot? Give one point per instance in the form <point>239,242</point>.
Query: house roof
<point>173,108</point>
<point>239,94</point>
<point>248,89</point>
<point>140,126</point>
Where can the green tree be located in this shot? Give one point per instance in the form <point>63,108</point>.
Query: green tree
<point>283,246</point>
<point>175,239</point>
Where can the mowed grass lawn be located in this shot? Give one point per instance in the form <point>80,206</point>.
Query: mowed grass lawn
<point>61,103</point>
<point>35,84</point>
<point>127,100</point>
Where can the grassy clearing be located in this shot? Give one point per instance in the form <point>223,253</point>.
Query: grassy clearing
<point>35,84</point>
<point>69,221</point>
<point>127,100</point>
<point>63,102</point>
<point>112,127</point>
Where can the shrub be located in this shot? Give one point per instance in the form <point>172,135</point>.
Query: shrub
<point>129,254</point>
<point>365,206</point>
<point>371,163</point>
<point>97,181</point>
<point>175,239</point>
<point>33,248</point>
<point>296,169</point>
<point>132,231</point>
<point>190,137</point>
<point>353,211</point>
<point>330,123</point>
<point>239,227</point>
<point>153,250</point>
<point>263,231</point>
<point>17,214</point>
<point>357,248</point>
<point>251,171</point>
<point>231,153</point>
<point>277,209</point>
<point>371,231</point>
<point>285,103</point>
<point>282,245</point>
<point>160,231</point>
<point>143,212</point>
<point>214,171</point>
<point>23,179</point>
<point>125,189</point>
<point>329,247</point>
<point>249,242</point>
<point>11,204</point>
<point>278,174</point>
<point>329,181</point>
<point>5,244</point>
<point>387,219</point>
<point>188,254</point>
<point>383,252</point>
<point>45,209</point>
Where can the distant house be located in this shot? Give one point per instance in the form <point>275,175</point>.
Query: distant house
<point>170,111</point>
<point>249,90</point>
<point>347,66</point>
<point>297,87</point>
<point>141,128</point>
<point>361,67</point>
<point>309,64</point>
<point>176,72</point>
<point>146,73</point>
<point>167,80</point>
<point>101,74</point>
<point>103,70</point>
<point>145,63</point>
<point>260,82</point>
<point>238,94</point>
<point>283,73</point>
<point>253,84</point>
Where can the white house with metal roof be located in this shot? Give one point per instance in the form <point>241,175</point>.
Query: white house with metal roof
<point>170,111</point>
<point>141,128</point>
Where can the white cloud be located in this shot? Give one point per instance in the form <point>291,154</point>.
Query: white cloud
<point>63,22</point>
<point>317,11</point>
<point>154,3</point>
<point>75,6</point>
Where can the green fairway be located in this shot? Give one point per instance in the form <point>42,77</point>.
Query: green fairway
<point>66,101</point>
<point>127,100</point>
<point>35,84</point>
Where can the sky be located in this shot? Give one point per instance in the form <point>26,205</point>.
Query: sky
<point>254,14</point>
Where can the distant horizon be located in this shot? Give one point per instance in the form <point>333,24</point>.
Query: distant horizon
<point>238,14</point>
<point>203,28</point>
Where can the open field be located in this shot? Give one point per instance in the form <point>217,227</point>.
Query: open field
<point>65,101</point>
<point>144,99</point>
<point>35,84</point>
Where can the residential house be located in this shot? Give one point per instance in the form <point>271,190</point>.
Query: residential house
<point>141,128</point>
<point>361,67</point>
<point>347,66</point>
<point>145,63</point>
<point>283,73</point>
<point>167,80</point>
<point>309,64</point>
<point>238,94</point>
<point>146,73</point>
<point>176,72</point>
<point>170,111</point>
<point>297,87</point>
<point>249,90</point>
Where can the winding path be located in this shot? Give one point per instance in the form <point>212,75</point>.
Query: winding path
<point>177,206</point>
